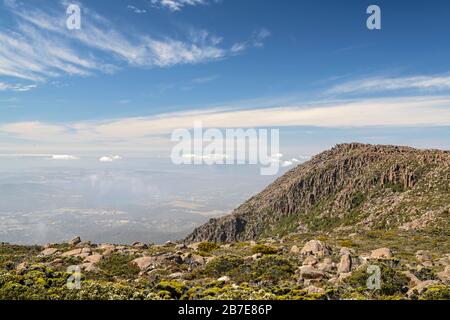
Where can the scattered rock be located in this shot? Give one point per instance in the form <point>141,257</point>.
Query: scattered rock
<point>144,263</point>
<point>175,258</point>
<point>412,278</point>
<point>317,248</point>
<point>295,249</point>
<point>421,287</point>
<point>224,279</point>
<point>444,261</point>
<point>89,267</point>
<point>314,289</point>
<point>86,250</point>
<point>344,276</point>
<point>22,268</point>
<point>194,246</point>
<point>176,275</point>
<point>310,261</point>
<point>72,253</point>
<point>56,263</point>
<point>107,246</point>
<point>140,245</point>
<point>423,256</point>
<point>326,265</point>
<point>193,259</point>
<point>74,241</point>
<point>83,244</point>
<point>257,256</point>
<point>49,252</point>
<point>345,251</point>
<point>181,246</point>
<point>345,265</point>
<point>308,272</point>
<point>381,253</point>
<point>445,275</point>
<point>108,252</point>
<point>95,258</point>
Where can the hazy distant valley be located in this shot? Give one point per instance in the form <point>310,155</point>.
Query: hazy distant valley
<point>153,202</point>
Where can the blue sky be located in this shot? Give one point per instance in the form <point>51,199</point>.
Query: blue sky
<point>137,69</point>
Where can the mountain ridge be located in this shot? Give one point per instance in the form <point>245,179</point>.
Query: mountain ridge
<point>348,187</point>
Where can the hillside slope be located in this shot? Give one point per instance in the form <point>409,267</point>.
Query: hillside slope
<point>349,188</point>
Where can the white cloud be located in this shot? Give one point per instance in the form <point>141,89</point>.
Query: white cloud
<point>64,157</point>
<point>136,10</point>
<point>16,87</point>
<point>203,80</point>
<point>256,40</point>
<point>289,163</point>
<point>171,52</point>
<point>285,164</point>
<point>142,132</point>
<point>277,156</point>
<point>177,5</point>
<point>37,155</point>
<point>238,47</point>
<point>110,158</point>
<point>301,159</point>
<point>260,36</point>
<point>367,85</point>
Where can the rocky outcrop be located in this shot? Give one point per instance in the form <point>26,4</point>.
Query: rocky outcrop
<point>350,186</point>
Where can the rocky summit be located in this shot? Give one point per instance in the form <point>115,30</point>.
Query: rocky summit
<point>350,188</point>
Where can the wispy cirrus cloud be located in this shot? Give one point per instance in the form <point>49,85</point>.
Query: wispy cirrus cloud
<point>40,46</point>
<point>203,80</point>
<point>177,5</point>
<point>136,9</point>
<point>16,87</point>
<point>383,84</point>
<point>257,40</point>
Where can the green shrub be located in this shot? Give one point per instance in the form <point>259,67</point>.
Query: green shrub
<point>395,187</point>
<point>425,274</point>
<point>438,292</point>
<point>357,200</point>
<point>347,243</point>
<point>208,246</point>
<point>262,248</point>
<point>392,281</point>
<point>118,265</point>
<point>273,268</point>
<point>175,289</point>
<point>223,265</point>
